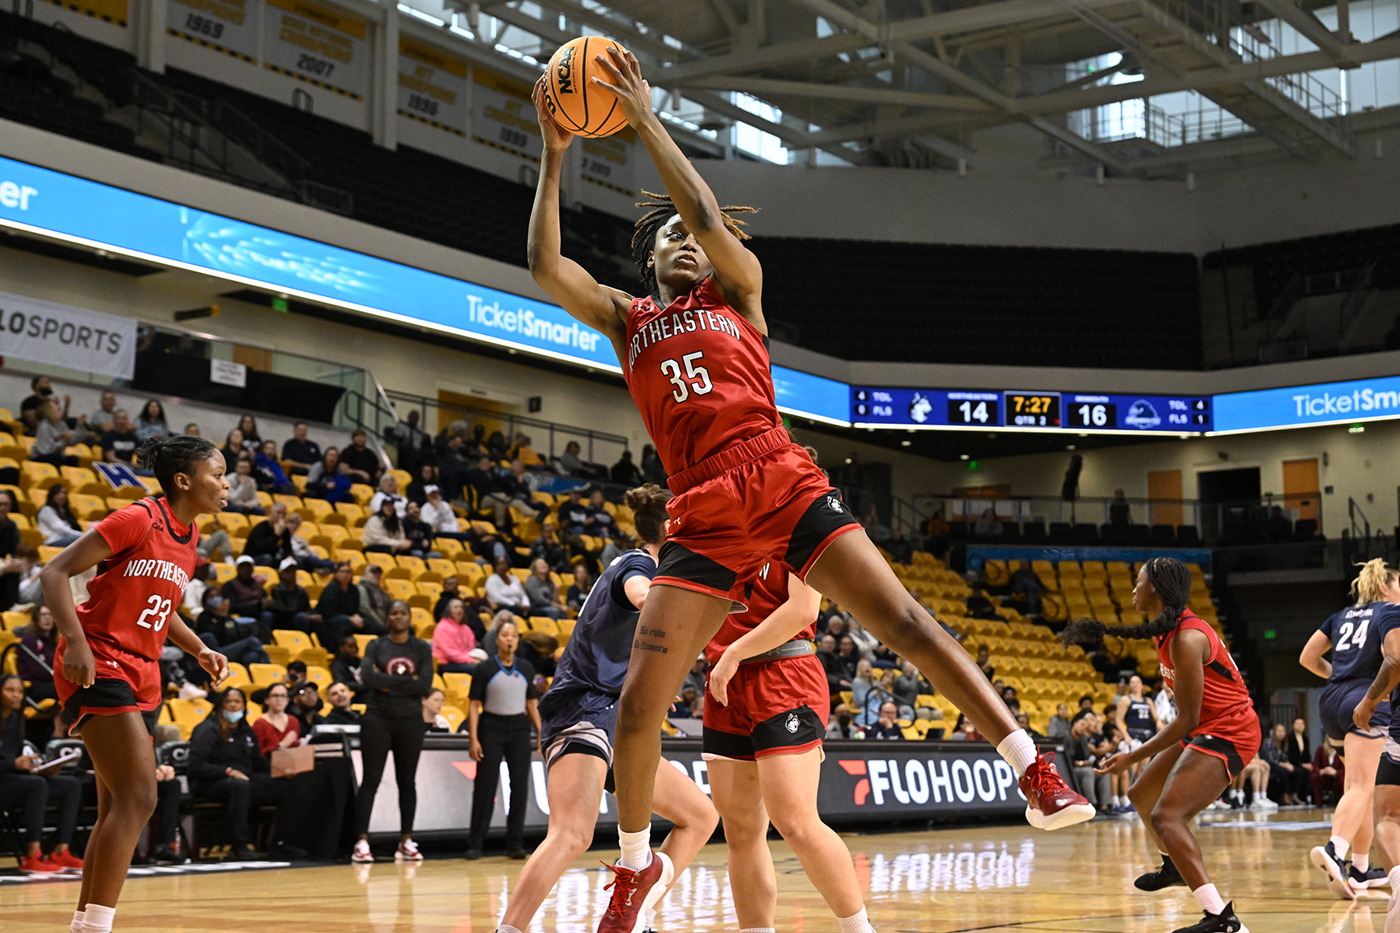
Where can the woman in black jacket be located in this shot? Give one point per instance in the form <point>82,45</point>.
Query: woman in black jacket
<point>225,766</point>
<point>398,670</point>
<point>22,789</point>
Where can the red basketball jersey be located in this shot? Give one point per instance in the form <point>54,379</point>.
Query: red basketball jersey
<point>1223,693</point>
<point>700,376</point>
<point>766,593</point>
<point>140,586</point>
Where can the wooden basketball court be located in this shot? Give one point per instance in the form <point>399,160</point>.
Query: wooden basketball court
<point>983,878</point>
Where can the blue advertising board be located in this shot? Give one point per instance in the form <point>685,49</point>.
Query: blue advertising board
<point>87,212</point>
<point>1305,406</point>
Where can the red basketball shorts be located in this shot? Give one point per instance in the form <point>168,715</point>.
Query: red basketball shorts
<point>125,683</point>
<point>775,708</point>
<point>760,500</point>
<point>1234,740</point>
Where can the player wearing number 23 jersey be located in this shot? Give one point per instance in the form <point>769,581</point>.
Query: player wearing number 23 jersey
<point>744,492</point>
<point>1357,634</point>
<point>129,605</point>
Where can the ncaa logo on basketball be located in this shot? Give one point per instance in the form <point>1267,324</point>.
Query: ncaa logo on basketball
<point>565,73</point>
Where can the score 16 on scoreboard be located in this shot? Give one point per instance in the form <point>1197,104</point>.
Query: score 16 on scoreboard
<point>1031,411</point>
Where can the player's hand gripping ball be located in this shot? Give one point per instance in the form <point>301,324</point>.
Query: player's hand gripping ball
<point>573,99</point>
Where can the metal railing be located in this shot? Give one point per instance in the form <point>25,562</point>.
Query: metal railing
<point>1356,297</point>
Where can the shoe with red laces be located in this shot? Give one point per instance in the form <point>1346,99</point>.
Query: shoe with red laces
<point>66,860</point>
<point>1050,804</point>
<point>37,865</point>
<point>634,893</point>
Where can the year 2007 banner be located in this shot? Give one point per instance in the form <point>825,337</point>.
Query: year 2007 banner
<point>319,45</point>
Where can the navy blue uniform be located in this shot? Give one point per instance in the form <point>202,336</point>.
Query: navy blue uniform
<point>580,709</point>
<point>1138,719</point>
<point>1356,634</point>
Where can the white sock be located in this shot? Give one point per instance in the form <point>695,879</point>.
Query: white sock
<point>860,923</point>
<point>1209,899</point>
<point>77,925</point>
<point>1340,846</point>
<point>506,928</point>
<point>98,919</point>
<point>636,849</point>
<point>1362,861</point>
<point>1394,876</point>
<point>1018,750</point>
<point>758,930</point>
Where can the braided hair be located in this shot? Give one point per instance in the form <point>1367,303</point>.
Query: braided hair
<point>662,207</point>
<point>1170,579</point>
<point>176,454</point>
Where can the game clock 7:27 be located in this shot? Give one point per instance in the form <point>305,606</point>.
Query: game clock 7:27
<point>1033,409</point>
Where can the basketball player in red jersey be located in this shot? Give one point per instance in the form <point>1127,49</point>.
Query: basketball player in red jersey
<point>1193,758</point>
<point>107,669</point>
<point>695,359</point>
<point>766,707</point>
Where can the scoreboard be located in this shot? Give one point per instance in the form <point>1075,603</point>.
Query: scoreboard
<point>1082,413</point>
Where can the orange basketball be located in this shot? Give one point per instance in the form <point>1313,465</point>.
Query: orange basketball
<point>575,102</point>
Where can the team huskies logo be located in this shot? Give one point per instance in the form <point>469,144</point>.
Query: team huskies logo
<point>565,76</point>
<point>402,666</point>
<point>833,503</point>
<point>919,408</point>
<point>792,723</point>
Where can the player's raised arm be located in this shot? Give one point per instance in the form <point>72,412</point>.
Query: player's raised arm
<point>600,307</point>
<point>737,269</point>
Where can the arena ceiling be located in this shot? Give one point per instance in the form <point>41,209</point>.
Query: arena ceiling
<point>918,83</point>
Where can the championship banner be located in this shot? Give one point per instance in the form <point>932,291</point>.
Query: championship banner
<point>609,161</point>
<point>504,116</point>
<point>228,26</point>
<point>433,87</point>
<point>318,45</point>
<point>109,11</point>
<point>861,782</point>
<point>44,332</point>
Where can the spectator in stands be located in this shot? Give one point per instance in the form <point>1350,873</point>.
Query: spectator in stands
<point>413,442</point>
<point>419,533</point>
<point>339,608</point>
<point>388,489</point>
<point>625,472</point>
<point>102,419</point>
<point>899,548</point>
<point>242,490</point>
<point>232,449</point>
<point>270,541</point>
<point>300,452</point>
<point>307,558</point>
<point>383,533</point>
<point>569,464</point>
<point>359,462</point>
<point>57,523</point>
<point>652,470</point>
<point>861,685</point>
<point>374,602</point>
<point>248,598</point>
<point>548,549</point>
<point>574,516</point>
<point>885,726</point>
<point>34,662</point>
<point>1081,753</point>
<point>398,669</point>
<point>226,767</point>
<point>151,422</point>
<point>193,603</point>
<point>120,443</point>
<point>439,515</point>
<point>25,564</point>
<point>681,708</point>
<point>842,724</point>
<point>1329,774</point>
<point>326,480</point>
<point>1120,514</point>
<point>51,436</point>
<point>543,593</point>
<point>433,719</point>
<point>43,392</point>
<point>276,728</point>
<point>503,708</point>
<point>908,685</point>
<point>837,677</point>
<point>965,730</point>
<point>1024,721</point>
<point>988,527</point>
<point>306,705</point>
<point>1286,782</point>
<point>340,697</point>
<point>619,543</point>
<point>268,472</point>
<point>451,590</point>
<point>345,666</point>
<point>1298,754</point>
<point>505,591</point>
<point>1027,590</point>
<point>878,531</point>
<point>600,521</point>
<point>21,789</point>
<point>454,641</point>
<point>520,487</point>
<point>296,673</point>
<point>490,494</point>
<point>417,490</point>
<point>522,451</point>
<point>1086,702</point>
<point>1058,729</point>
<point>290,603</point>
<point>248,427</point>
<point>236,639</point>
<point>168,794</point>
<point>192,430</point>
<point>936,532</point>
<point>984,662</point>
<point>581,587</point>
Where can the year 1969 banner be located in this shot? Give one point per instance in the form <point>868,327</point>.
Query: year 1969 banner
<point>229,26</point>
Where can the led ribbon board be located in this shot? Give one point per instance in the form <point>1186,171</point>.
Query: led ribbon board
<point>51,203</point>
<point>1017,410</point>
<point>1307,406</point>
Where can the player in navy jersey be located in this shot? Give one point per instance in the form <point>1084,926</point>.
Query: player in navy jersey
<point>1387,795</point>
<point>579,712</point>
<point>107,669</point>
<point>1354,637</point>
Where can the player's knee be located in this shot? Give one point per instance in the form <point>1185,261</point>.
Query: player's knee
<point>137,800</point>
<point>799,829</point>
<point>574,839</point>
<point>742,831</point>
<point>635,711</point>
<point>906,625</point>
<point>1165,819</point>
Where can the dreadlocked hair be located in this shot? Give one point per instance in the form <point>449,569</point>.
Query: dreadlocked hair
<point>1372,582</point>
<point>177,454</point>
<point>662,207</point>
<point>1170,580</point>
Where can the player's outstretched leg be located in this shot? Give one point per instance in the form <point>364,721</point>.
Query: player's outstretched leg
<point>1144,794</point>
<point>739,800</point>
<point>1363,755</point>
<point>852,573</point>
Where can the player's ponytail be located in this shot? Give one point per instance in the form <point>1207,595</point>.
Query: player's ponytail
<point>648,505</point>
<point>1372,582</point>
<point>168,456</point>
<point>1170,580</point>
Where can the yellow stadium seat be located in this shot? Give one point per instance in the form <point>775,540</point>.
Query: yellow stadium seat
<point>291,639</point>
<point>423,622</point>
<point>264,674</point>
<point>14,620</point>
<point>409,567</point>
<point>449,548</point>
<point>35,474</point>
<point>354,515</point>
<point>235,523</point>
<point>544,624</point>
<point>237,676</point>
<point>454,716</point>
<point>470,574</point>
<point>386,561</point>
<point>319,676</point>
<point>400,589</point>
<point>361,493</point>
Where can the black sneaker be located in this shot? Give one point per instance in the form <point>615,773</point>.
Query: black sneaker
<point>1373,877</point>
<point>243,853</point>
<point>1336,870</point>
<point>165,855</point>
<point>1164,877</point>
<point>1223,922</point>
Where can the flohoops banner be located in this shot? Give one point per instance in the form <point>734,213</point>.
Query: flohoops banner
<point>44,332</point>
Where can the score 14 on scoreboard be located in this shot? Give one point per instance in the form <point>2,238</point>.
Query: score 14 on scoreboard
<point>1032,411</point>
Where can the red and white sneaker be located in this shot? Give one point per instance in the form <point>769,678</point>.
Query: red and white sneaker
<point>408,852</point>
<point>634,893</point>
<point>1050,804</point>
<point>361,855</point>
<point>37,865</point>
<point>66,860</point>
